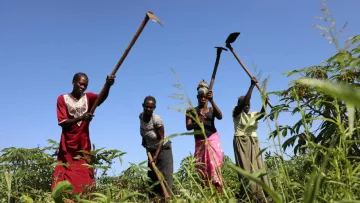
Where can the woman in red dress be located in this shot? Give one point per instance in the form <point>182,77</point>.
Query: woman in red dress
<point>74,118</point>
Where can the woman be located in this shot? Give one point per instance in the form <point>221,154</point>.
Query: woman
<point>74,118</point>
<point>246,142</point>
<point>207,145</point>
<point>153,139</point>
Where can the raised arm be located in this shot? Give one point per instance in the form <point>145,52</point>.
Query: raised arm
<point>109,82</point>
<point>240,106</point>
<point>216,111</point>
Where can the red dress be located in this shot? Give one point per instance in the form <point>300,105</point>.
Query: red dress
<point>73,139</point>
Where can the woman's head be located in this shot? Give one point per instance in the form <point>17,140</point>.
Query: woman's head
<point>80,82</point>
<point>202,89</point>
<point>149,105</point>
<point>246,106</point>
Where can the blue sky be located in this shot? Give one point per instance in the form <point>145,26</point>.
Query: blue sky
<point>43,43</point>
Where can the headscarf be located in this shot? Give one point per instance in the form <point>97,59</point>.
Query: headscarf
<point>202,88</point>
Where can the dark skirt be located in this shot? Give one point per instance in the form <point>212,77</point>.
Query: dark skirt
<point>247,149</point>
<point>165,166</point>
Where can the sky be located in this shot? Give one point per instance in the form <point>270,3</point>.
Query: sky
<point>44,43</point>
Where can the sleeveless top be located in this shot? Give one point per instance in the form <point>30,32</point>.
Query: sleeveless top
<point>209,125</point>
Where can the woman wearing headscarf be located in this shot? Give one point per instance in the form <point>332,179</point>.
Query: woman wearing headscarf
<point>208,149</point>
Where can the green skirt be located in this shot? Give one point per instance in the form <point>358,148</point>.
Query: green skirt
<point>247,149</point>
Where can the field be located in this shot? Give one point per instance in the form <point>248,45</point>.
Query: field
<point>325,142</point>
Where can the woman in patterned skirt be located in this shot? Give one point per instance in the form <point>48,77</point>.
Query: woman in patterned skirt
<point>208,151</point>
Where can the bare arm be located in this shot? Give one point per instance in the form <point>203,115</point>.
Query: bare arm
<point>216,111</point>
<point>109,82</point>
<point>190,125</point>
<point>143,142</point>
<point>69,122</point>
<point>160,132</point>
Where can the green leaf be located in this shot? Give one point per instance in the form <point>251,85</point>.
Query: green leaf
<point>274,195</point>
<point>232,200</point>
<point>274,133</point>
<point>87,201</point>
<point>354,39</point>
<point>134,194</point>
<point>331,59</point>
<point>145,168</point>
<point>289,142</point>
<point>26,199</point>
<point>85,152</point>
<point>354,63</point>
<point>260,152</point>
<point>289,73</point>
<point>58,163</point>
<point>284,132</point>
<point>52,142</point>
<point>108,194</point>
<point>120,160</point>
<point>296,109</point>
<point>312,187</point>
<point>101,197</point>
<point>180,134</point>
<point>8,179</point>
<point>89,166</point>
<point>61,188</point>
<point>340,91</point>
<point>97,151</point>
<point>143,162</point>
<point>356,50</point>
